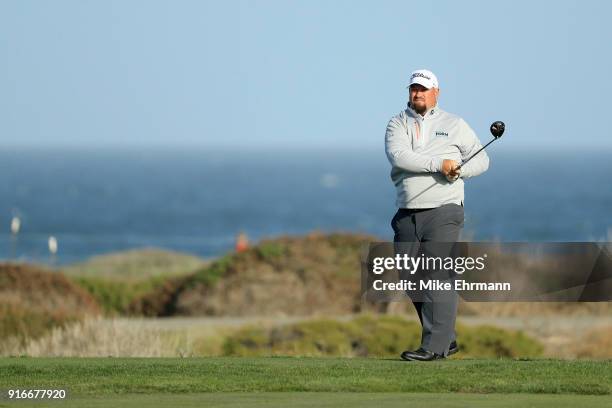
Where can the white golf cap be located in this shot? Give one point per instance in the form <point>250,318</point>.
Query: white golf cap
<point>424,77</point>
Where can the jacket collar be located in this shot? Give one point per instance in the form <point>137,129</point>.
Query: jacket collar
<point>430,113</point>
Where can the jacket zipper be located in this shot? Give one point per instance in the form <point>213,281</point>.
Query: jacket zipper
<point>423,131</point>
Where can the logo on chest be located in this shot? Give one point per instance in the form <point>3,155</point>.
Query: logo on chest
<point>442,134</point>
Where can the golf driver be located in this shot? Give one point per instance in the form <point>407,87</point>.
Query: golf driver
<point>497,130</point>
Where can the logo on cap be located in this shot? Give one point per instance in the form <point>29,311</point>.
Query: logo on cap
<point>420,74</point>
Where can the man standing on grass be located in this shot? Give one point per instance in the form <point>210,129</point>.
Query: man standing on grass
<point>425,146</point>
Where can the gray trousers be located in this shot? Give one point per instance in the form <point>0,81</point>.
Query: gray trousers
<point>414,229</point>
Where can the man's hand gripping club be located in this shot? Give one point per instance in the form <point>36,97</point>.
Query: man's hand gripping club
<point>451,170</point>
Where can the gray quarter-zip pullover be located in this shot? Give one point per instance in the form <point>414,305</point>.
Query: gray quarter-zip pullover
<point>417,145</point>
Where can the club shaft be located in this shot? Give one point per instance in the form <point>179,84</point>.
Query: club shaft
<point>472,156</point>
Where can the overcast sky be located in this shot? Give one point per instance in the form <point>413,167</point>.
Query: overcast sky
<point>298,74</point>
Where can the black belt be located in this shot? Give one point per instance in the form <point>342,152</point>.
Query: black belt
<point>414,210</point>
<point>418,210</point>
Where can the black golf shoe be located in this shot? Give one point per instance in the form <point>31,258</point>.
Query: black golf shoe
<point>454,348</point>
<point>421,355</point>
<point>424,355</point>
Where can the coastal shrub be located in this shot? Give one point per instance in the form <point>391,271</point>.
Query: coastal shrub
<point>116,295</point>
<point>269,250</point>
<point>23,322</point>
<point>34,300</point>
<point>210,274</point>
<point>370,336</point>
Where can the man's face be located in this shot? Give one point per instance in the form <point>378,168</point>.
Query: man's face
<point>422,99</point>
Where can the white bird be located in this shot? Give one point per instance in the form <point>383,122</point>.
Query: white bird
<point>52,245</point>
<point>15,225</point>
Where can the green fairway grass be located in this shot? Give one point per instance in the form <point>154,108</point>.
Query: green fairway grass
<point>108,376</point>
<point>326,399</point>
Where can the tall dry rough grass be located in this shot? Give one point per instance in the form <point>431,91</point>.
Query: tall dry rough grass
<point>99,337</point>
<point>596,343</point>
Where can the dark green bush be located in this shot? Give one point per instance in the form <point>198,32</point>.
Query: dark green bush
<point>270,250</point>
<point>372,336</point>
<point>115,295</point>
<point>211,274</point>
<point>490,341</point>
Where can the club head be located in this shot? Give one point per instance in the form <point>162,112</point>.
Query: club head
<point>497,129</point>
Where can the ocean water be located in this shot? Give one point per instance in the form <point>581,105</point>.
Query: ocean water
<point>194,201</point>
